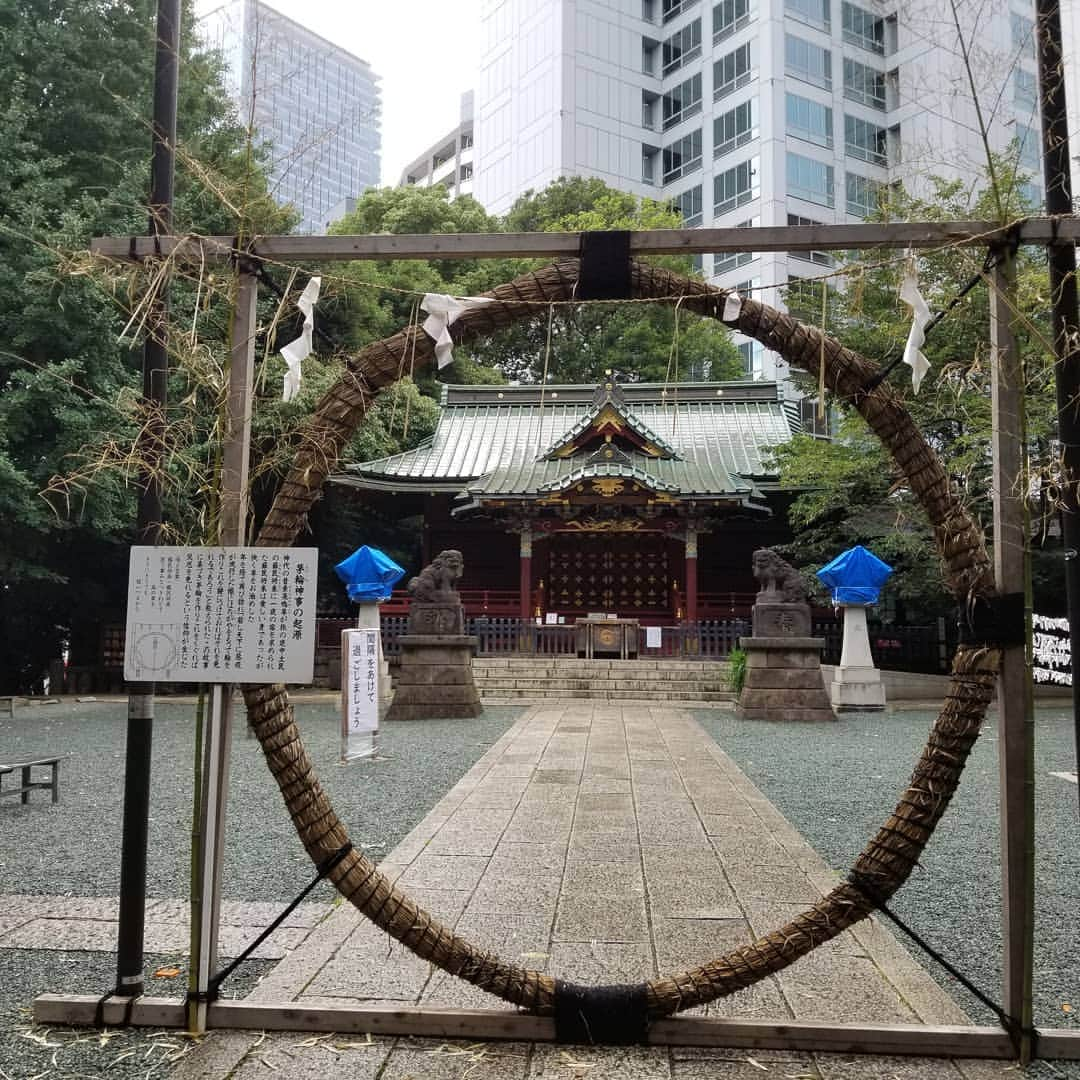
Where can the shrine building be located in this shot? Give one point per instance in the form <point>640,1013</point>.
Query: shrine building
<point>639,500</point>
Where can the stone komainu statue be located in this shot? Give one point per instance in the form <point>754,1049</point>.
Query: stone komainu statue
<point>777,578</point>
<point>437,583</point>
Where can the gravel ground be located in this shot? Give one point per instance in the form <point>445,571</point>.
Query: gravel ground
<point>45,848</point>
<point>838,784</point>
<point>73,848</point>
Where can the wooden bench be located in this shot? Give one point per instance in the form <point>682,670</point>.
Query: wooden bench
<point>24,770</point>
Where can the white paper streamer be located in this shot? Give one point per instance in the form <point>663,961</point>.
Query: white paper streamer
<point>442,311</point>
<point>732,307</point>
<point>297,351</point>
<point>913,355</point>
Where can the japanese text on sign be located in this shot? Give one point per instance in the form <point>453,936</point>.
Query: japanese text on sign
<point>359,691</point>
<point>1051,651</point>
<point>210,614</point>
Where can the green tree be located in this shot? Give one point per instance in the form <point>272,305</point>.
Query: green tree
<point>852,493</point>
<point>74,153</point>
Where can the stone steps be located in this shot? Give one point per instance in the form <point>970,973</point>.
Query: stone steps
<point>562,678</point>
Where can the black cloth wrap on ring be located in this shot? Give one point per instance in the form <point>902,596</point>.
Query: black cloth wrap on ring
<point>604,272</point>
<point>601,1015</point>
<point>993,621</point>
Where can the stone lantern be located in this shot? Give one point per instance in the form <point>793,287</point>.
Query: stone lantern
<point>855,578</point>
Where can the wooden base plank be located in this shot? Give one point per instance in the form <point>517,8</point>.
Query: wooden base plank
<point>476,1024</point>
<point>1057,1044</point>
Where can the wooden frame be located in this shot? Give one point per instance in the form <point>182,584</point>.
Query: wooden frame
<point>550,245</point>
<point>1016,727</point>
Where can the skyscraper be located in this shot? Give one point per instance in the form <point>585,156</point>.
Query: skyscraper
<point>316,105</point>
<point>752,112</point>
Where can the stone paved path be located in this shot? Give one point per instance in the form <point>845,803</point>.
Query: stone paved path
<point>602,844</point>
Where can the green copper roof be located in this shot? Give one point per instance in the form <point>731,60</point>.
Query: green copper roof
<point>491,442</point>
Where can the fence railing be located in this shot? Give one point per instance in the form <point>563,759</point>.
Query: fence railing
<point>927,649</point>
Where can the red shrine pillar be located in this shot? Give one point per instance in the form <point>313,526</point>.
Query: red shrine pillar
<point>690,575</point>
<point>525,580</point>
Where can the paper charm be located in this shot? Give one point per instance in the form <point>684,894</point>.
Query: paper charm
<point>299,350</point>
<point>442,311</point>
<point>913,355</point>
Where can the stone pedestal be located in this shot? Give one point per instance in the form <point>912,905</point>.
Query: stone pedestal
<point>783,679</point>
<point>435,679</point>
<point>856,682</point>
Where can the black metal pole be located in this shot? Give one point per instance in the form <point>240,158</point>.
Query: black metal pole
<point>1063,296</point>
<point>140,727</point>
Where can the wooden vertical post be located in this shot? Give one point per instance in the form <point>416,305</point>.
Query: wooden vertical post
<point>206,906</point>
<point>236,451</point>
<point>1015,701</point>
<point>525,572</point>
<point>691,574</point>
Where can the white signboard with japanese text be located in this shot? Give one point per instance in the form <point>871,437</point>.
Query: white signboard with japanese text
<point>221,615</point>
<point>1051,651</point>
<point>359,692</point>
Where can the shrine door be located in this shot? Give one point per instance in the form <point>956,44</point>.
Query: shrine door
<point>616,573</point>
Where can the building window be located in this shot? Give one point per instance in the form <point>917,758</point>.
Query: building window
<point>466,172</point>
<point>688,205</point>
<point>1025,90</point>
<point>735,128</point>
<point>649,154</point>
<point>684,45</point>
<point>814,12</point>
<point>648,10</point>
<point>804,298</point>
<point>648,109</point>
<point>649,51</point>
<point>669,9</point>
<point>810,180</point>
<point>809,120</point>
<point>862,28</point>
<point>683,101</point>
<point>753,354</point>
<point>808,62</point>
<point>732,71</point>
<point>729,16</point>
<point>682,157</point>
<point>736,186</point>
<point>864,85</point>
<point>466,140</point>
<point>1023,34</point>
<point>863,195</point>
<point>822,258</point>
<point>1029,145</point>
<point>865,141</point>
<point>1030,196</point>
<point>732,260</point>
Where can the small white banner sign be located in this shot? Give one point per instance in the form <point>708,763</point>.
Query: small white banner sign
<point>224,615</point>
<point>359,692</point>
<point>1051,651</point>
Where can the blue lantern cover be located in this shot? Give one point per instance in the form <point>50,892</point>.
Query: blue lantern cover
<point>369,575</point>
<point>855,576</point>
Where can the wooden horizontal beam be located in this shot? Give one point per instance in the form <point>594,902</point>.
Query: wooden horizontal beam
<point>475,1024</point>
<point>291,249</point>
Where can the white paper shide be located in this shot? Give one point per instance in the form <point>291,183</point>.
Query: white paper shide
<point>221,615</point>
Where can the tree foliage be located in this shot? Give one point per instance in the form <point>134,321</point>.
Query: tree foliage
<point>853,493</point>
<point>74,151</point>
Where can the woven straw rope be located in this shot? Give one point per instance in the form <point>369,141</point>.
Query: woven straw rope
<point>889,856</point>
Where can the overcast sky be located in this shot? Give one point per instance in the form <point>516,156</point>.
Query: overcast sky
<point>426,53</point>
